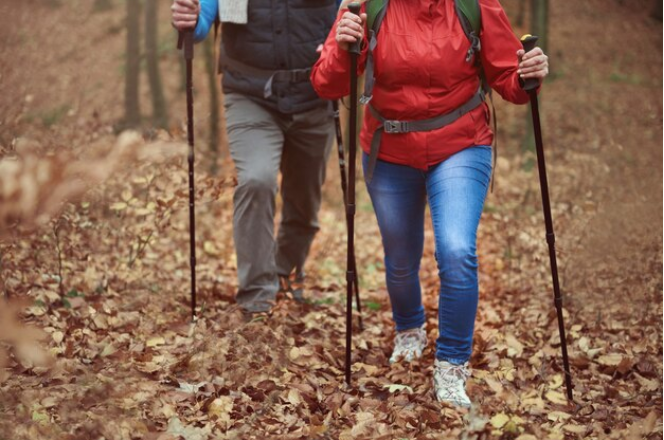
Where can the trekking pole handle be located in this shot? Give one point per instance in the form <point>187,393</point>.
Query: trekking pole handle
<point>354,8</point>
<point>529,42</point>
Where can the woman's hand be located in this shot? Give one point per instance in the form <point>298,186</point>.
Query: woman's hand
<point>185,14</point>
<point>350,29</point>
<point>533,64</point>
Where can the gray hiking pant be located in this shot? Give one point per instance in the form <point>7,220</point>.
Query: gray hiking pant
<point>262,143</point>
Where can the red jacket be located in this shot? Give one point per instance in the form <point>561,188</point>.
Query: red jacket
<point>421,73</point>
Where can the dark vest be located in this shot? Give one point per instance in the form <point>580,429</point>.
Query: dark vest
<point>281,35</point>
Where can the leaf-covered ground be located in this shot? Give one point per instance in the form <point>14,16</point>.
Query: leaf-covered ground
<point>106,280</point>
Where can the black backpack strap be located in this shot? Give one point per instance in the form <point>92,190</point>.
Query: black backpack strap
<point>369,77</point>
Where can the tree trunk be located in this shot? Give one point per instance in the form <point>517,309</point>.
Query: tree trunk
<point>539,22</point>
<point>159,113</point>
<point>539,25</point>
<point>102,5</point>
<point>521,13</point>
<point>132,107</point>
<point>211,68</point>
<point>657,11</point>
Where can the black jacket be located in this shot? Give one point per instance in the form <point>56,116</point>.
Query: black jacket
<point>280,35</point>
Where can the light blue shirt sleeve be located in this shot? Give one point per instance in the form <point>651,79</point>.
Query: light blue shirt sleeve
<point>209,11</point>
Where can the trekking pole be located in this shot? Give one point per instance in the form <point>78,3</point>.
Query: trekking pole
<point>186,41</point>
<point>531,85</point>
<point>342,169</point>
<point>354,51</point>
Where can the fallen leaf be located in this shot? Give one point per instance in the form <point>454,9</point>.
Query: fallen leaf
<point>499,420</point>
<point>610,360</point>
<point>557,416</point>
<point>294,397</point>
<point>58,336</point>
<point>153,342</point>
<point>220,409</point>
<point>514,347</point>
<point>576,429</point>
<point>118,206</point>
<point>187,432</point>
<point>392,388</point>
<point>556,397</point>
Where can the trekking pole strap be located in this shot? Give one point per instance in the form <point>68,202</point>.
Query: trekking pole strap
<point>398,127</point>
<point>186,42</point>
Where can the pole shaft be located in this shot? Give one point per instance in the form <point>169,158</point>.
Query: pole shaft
<point>350,211</point>
<point>344,191</point>
<point>550,237</point>
<point>340,148</point>
<point>188,41</point>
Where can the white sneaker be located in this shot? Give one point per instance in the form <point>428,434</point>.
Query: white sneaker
<point>449,383</point>
<point>409,345</point>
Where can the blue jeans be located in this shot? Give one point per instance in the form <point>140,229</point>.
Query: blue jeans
<point>455,190</point>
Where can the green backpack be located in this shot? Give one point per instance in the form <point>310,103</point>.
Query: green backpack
<point>468,12</point>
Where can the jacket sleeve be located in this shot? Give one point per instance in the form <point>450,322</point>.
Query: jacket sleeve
<point>498,53</point>
<point>329,75</point>
<point>209,11</point>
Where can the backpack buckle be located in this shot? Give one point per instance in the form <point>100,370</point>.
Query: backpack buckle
<point>469,54</point>
<point>395,127</point>
<point>475,46</point>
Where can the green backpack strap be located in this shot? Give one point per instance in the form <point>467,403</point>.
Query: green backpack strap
<point>470,10</point>
<point>373,9</point>
<point>470,18</point>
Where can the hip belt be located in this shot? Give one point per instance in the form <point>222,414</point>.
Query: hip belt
<point>393,127</point>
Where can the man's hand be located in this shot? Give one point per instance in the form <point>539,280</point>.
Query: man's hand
<point>185,14</point>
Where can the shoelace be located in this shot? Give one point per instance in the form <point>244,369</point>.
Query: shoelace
<point>450,381</point>
<point>408,340</point>
<point>447,374</point>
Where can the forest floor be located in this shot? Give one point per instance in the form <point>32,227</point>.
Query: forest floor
<point>103,286</point>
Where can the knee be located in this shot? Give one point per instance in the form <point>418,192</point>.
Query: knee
<point>456,257</point>
<point>257,182</point>
<point>402,270</point>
